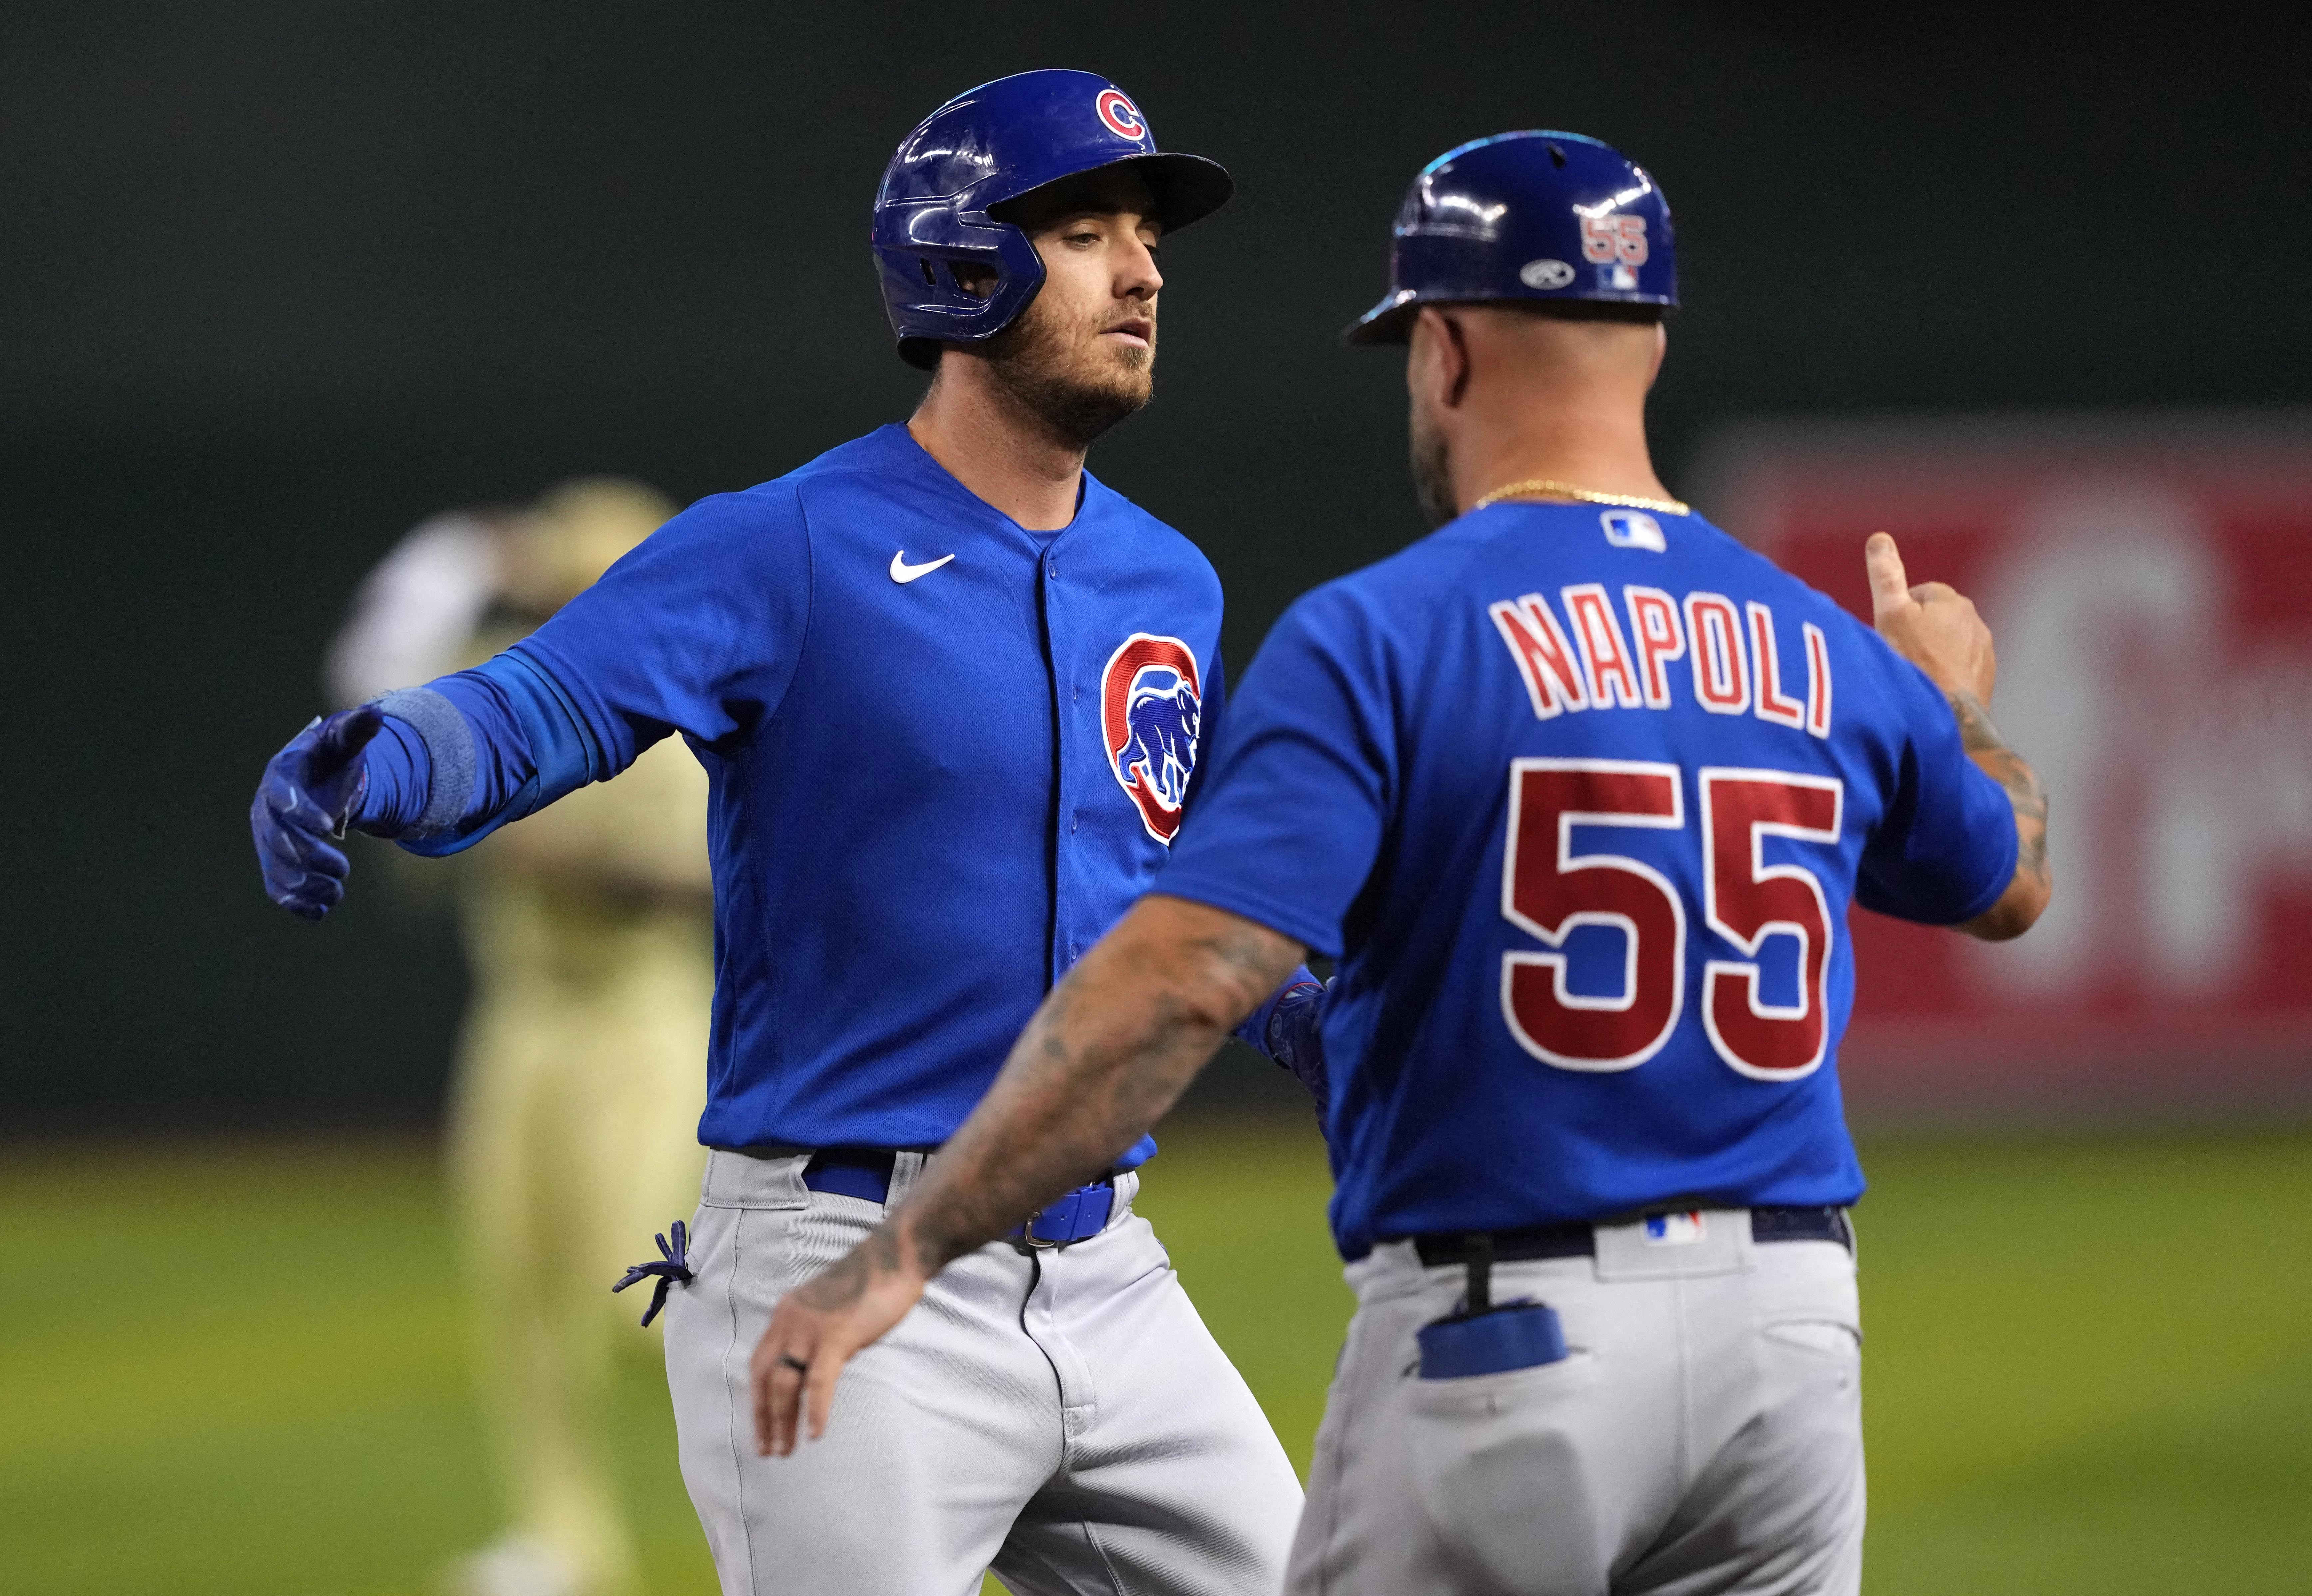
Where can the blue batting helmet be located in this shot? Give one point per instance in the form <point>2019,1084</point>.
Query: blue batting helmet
<point>1539,216</point>
<point>994,143</point>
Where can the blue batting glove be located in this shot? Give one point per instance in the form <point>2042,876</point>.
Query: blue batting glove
<point>311,789</point>
<point>1296,1040</point>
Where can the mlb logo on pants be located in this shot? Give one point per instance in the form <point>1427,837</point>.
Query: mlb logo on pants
<point>1673,1230</point>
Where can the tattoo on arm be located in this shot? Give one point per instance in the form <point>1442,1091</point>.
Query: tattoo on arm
<point>2003,765</point>
<point>1109,1051</point>
<point>848,1281</point>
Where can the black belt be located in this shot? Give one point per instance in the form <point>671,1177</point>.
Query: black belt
<point>1580,1241</point>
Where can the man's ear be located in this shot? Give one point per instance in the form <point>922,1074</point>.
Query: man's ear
<point>1661,351</point>
<point>1439,357</point>
<point>1450,352</point>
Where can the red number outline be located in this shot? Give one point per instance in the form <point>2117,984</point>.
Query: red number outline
<point>1813,993</point>
<point>1569,863</point>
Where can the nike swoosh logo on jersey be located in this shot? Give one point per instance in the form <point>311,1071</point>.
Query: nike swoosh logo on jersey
<point>901,572</point>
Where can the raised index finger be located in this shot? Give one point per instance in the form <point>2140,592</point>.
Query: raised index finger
<point>1890,588</point>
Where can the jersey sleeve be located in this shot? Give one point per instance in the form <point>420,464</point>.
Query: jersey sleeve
<point>1289,820</point>
<point>697,631</point>
<point>1946,848</point>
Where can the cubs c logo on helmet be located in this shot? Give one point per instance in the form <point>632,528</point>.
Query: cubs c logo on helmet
<point>1121,116</point>
<point>1152,713</point>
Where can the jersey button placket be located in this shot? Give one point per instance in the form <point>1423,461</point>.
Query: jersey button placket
<point>1055,644</point>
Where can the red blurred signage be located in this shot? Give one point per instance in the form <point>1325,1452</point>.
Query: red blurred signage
<point>2149,583</point>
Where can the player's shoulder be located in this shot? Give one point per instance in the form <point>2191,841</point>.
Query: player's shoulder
<point>1899,690</point>
<point>1759,578</point>
<point>857,484</point>
<point>864,469</point>
<point>1422,583</point>
<point>849,487</point>
<point>1377,615</point>
<point>725,530</point>
<point>1747,573</point>
<point>768,507</point>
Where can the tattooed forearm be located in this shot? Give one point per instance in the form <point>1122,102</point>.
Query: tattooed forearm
<point>2003,765</point>
<point>1111,1049</point>
<point>2029,888</point>
<point>848,1281</point>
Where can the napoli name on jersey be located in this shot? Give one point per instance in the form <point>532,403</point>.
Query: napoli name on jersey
<point>1580,796</point>
<point>874,665</point>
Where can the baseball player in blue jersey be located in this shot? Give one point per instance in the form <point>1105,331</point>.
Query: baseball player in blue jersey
<point>949,692</point>
<point>1578,790</point>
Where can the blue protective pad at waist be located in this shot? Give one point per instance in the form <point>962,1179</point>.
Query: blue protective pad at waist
<point>1076,1215</point>
<point>860,1181</point>
<point>1517,1336</point>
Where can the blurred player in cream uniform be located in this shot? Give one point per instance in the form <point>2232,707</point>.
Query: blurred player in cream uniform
<point>573,1121</point>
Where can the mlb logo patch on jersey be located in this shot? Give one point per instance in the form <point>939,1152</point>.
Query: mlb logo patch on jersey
<point>1151,714</point>
<point>1676,1230</point>
<point>1634,529</point>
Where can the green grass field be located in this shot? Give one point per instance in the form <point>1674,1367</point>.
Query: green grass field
<point>235,1367</point>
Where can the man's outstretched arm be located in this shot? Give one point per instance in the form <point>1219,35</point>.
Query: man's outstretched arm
<point>1112,1048</point>
<point>436,768</point>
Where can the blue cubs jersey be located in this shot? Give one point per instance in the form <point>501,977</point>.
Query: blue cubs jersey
<point>945,755</point>
<point>1579,798</point>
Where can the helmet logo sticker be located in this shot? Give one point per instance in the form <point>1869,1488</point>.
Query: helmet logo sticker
<point>1151,716</point>
<point>1122,117</point>
<point>1605,239</point>
<point>1545,274</point>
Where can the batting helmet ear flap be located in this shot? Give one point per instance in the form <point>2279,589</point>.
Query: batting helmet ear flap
<point>929,306</point>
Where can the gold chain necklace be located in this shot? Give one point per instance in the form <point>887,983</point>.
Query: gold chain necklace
<point>1566,490</point>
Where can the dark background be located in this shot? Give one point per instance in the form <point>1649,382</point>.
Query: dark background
<point>279,280</point>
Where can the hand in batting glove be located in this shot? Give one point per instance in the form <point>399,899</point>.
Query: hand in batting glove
<point>311,789</point>
<point>1296,1039</point>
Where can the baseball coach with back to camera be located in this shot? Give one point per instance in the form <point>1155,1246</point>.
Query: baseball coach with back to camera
<point>1578,790</point>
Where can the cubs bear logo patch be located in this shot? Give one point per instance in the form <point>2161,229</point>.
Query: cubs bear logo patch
<point>1151,713</point>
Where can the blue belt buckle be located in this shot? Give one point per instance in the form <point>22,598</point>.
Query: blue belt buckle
<point>1519,1335</point>
<point>1077,1216</point>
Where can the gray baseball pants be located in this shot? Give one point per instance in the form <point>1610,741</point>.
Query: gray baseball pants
<point>1705,1434</point>
<point>1060,1415</point>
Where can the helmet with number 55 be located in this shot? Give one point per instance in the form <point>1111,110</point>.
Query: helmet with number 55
<point>1542,216</point>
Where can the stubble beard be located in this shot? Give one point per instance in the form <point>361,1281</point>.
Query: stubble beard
<point>1433,472</point>
<point>1060,375</point>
